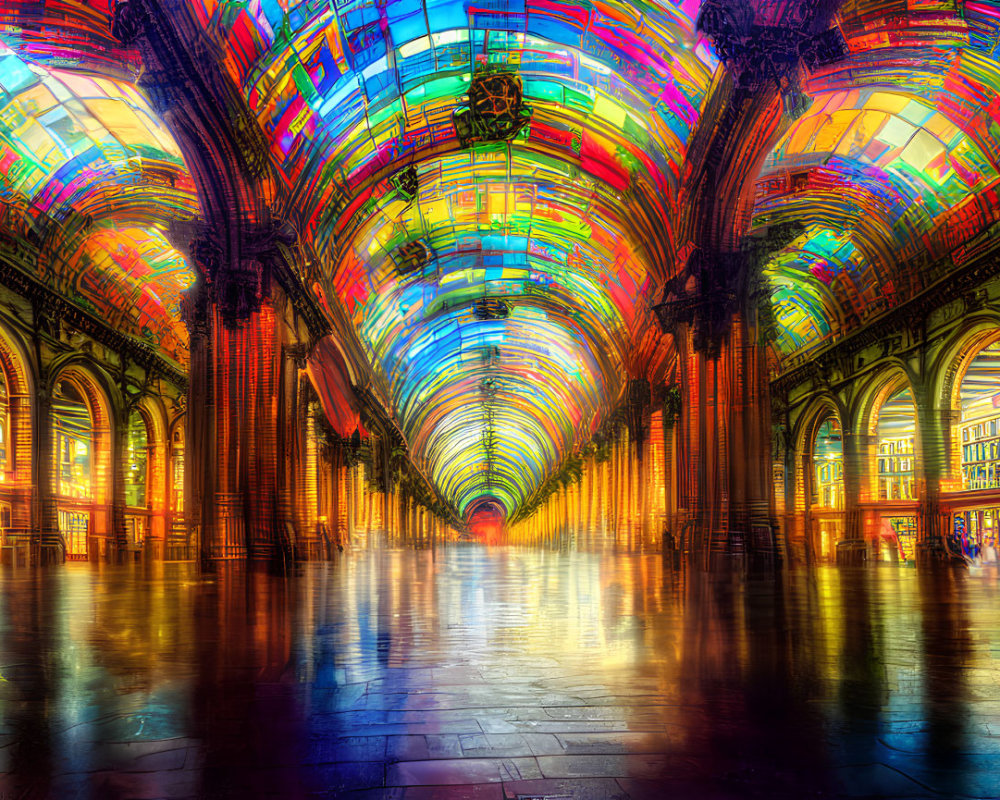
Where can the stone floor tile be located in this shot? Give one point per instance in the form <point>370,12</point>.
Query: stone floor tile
<point>577,789</point>
<point>471,672</point>
<point>461,771</point>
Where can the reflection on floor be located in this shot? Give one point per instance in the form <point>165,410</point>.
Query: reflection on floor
<point>470,672</point>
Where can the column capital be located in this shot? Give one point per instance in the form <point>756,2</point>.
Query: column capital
<point>129,21</point>
<point>236,267</point>
<point>238,292</point>
<point>196,305</point>
<point>761,48</point>
<point>705,294</point>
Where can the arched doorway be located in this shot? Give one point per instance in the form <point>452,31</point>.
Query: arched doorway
<point>892,529</point>
<point>81,457</point>
<point>16,488</point>
<point>976,510</point>
<point>143,497</point>
<point>826,500</point>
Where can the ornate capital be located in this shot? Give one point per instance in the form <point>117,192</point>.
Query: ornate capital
<point>761,47</point>
<point>129,21</point>
<point>239,273</point>
<point>238,292</point>
<point>704,294</point>
<point>196,308</point>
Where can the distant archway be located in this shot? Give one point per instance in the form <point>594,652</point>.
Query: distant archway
<point>81,461</point>
<point>975,453</point>
<point>892,455</point>
<point>819,481</point>
<point>16,427</point>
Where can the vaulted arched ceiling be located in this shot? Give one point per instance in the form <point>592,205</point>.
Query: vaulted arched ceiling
<point>893,169</point>
<point>499,268</point>
<point>90,179</point>
<point>563,222</point>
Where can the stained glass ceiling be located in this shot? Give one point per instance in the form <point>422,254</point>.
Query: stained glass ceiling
<point>88,173</point>
<point>566,219</point>
<point>894,167</point>
<point>492,187</point>
<point>494,282</point>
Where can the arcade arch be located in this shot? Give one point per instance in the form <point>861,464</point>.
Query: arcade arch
<point>890,499</point>
<point>826,496</point>
<point>819,490</point>
<point>972,488</point>
<point>16,428</point>
<point>81,462</point>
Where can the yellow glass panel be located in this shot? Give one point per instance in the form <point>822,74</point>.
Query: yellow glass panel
<point>889,103</point>
<point>828,135</point>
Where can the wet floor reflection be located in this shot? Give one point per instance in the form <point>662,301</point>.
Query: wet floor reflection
<point>403,673</point>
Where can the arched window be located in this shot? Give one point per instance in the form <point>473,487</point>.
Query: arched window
<point>980,421</point>
<point>16,400</point>
<point>73,458</point>
<point>136,461</point>
<point>895,435</point>
<point>74,440</point>
<point>828,466</point>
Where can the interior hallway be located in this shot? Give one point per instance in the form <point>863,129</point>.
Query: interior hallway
<point>468,671</point>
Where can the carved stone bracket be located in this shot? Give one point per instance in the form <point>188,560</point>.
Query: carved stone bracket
<point>129,21</point>
<point>704,294</point>
<point>196,308</point>
<point>50,310</point>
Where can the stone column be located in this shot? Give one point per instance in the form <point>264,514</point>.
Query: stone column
<point>296,498</point>
<point>48,546</point>
<point>749,441</point>
<point>934,426</point>
<point>118,545</point>
<point>725,451</point>
<point>856,471</point>
<point>239,404</point>
<point>199,433</point>
<point>246,356</point>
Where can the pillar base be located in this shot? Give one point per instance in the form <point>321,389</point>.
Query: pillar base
<point>933,553</point>
<point>51,554</point>
<point>852,552</point>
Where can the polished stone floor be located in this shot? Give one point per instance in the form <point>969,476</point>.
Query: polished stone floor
<point>474,672</point>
